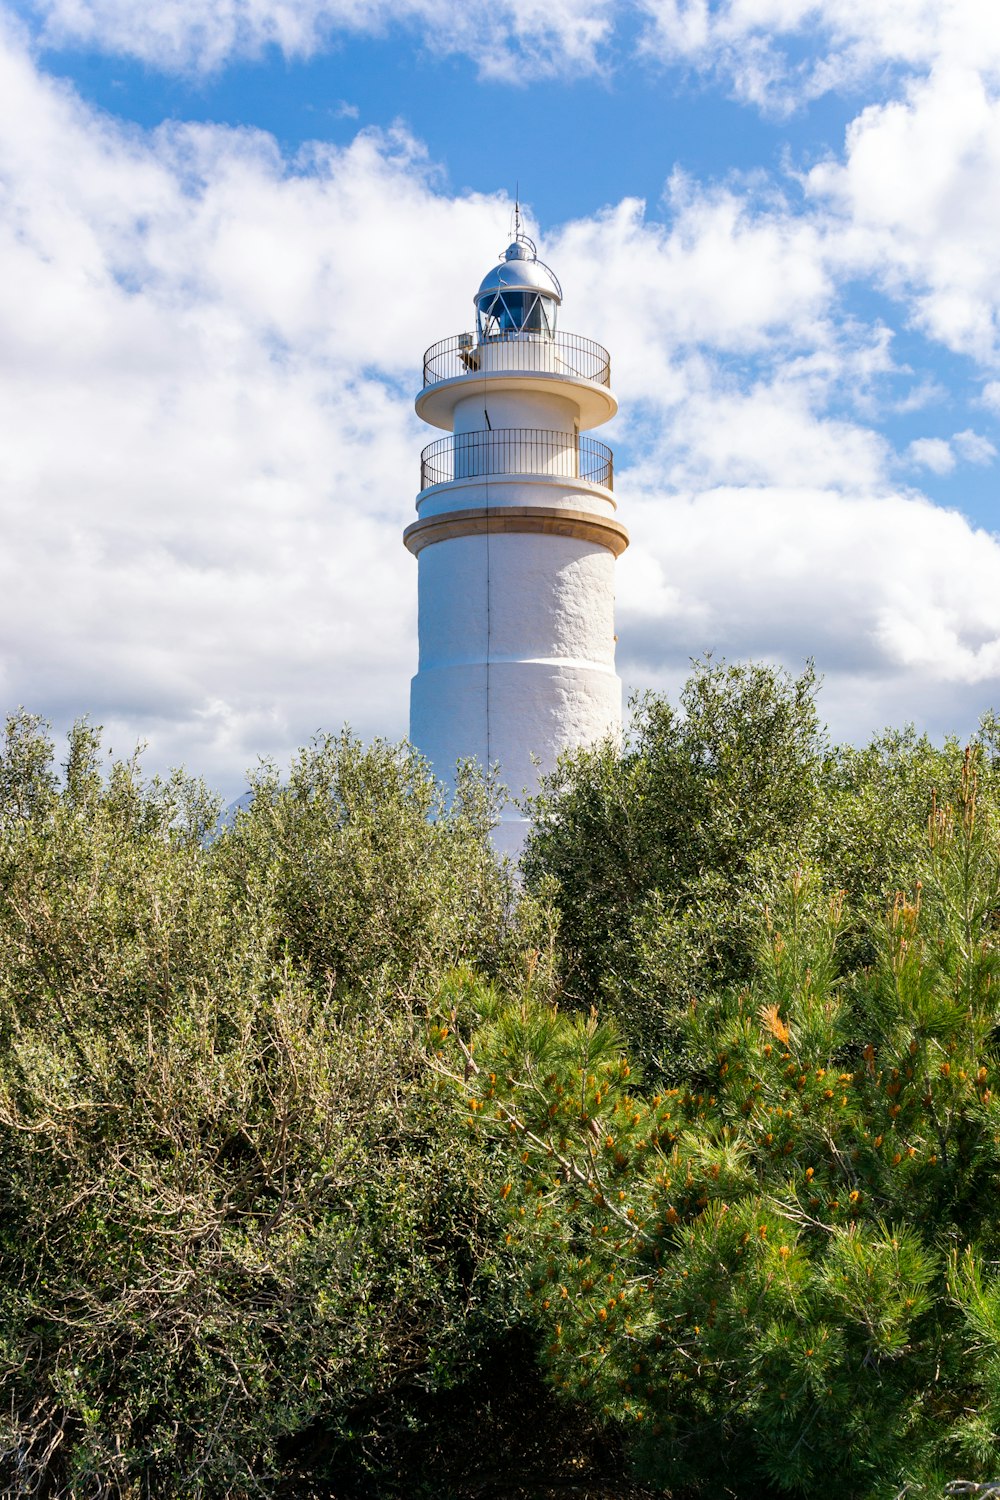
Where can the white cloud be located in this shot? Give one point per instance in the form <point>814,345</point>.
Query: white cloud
<point>926,392</point>
<point>207,444</point>
<point>726,272</point>
<point>723,278</point>
<point>898,600</point>
<point>757,43</point>
<point>973,447</point>
<point>725,351</point>
<point>208,449</point>
<point>766,435</point>
<point>513,40</point>
<point>762,524</point>
<point>932,453</point>
<point>915,206</point>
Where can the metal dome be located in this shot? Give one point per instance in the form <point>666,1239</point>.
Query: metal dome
<point>519,296</point>
<point>522,271</point>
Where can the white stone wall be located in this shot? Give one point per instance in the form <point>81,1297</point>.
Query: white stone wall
<point>513,408</point>
<point>516,654</point>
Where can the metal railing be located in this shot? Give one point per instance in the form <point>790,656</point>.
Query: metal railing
<point>552,354</point>
<point>534,451</point>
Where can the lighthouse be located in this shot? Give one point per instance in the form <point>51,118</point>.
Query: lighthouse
<point>516,539</point>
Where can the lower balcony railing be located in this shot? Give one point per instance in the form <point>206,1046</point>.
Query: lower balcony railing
<point>531,451</point>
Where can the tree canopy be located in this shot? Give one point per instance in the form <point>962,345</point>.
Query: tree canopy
<point>337,1161</point>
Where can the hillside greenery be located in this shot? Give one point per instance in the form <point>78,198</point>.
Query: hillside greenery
<point>335,1161</point>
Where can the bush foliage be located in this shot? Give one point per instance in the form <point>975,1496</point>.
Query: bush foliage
<point>238,1243</point>
<point>335,1161</point>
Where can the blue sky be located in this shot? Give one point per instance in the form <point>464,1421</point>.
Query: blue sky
<point>230,227</point>
<point>635,123</point>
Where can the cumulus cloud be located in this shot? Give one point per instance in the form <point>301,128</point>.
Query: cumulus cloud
<point>915,203</point>
<point>207,444</point>
<point>727,348</point>
<point>208,449</point>
<point>762,522</point>
<point>973,447</point>
<point>931,453</point>
<point>897,599</point>
<point>767,435</point>
<point>724,272</point>
<point>513,40</point>
<point>758,43</point>
<point>926,392</point>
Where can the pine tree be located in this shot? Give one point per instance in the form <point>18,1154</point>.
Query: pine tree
<point>774,1275</point>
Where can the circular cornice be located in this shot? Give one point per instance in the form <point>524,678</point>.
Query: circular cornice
<point>539,520</point>
<point>436,403</point>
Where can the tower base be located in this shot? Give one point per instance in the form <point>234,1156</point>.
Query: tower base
<point>520,715</point>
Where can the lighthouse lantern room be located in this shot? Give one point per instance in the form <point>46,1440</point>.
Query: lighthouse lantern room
<point>516,540</point>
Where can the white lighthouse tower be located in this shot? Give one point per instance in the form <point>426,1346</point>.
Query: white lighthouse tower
<point>516,540</point>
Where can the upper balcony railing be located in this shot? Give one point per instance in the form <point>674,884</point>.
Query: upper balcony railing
<point>555,354</point>
<point>530,451</point>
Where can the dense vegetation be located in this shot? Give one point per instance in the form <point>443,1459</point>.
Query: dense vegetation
<point>335,1163</point>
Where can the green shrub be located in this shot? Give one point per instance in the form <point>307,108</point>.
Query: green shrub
<point>238,1244</point>
<point>780,1273</point>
